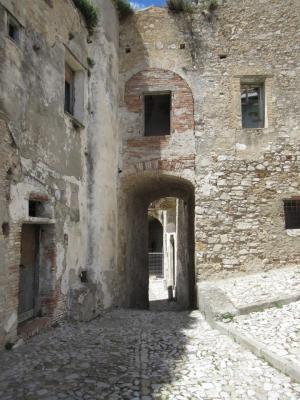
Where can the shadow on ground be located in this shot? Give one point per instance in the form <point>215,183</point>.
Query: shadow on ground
<point>117,356</point>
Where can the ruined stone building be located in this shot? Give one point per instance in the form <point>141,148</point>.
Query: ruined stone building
<point>202,107</point>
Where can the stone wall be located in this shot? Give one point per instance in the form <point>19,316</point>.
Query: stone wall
<point>239,215</point>
<point>241,176</point>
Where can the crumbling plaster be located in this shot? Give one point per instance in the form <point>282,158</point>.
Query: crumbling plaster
<point>50,155</point>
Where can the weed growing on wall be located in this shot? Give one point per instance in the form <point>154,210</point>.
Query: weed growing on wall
<point>123,7</point>
<point>89,12</point>
<point>179,6</point>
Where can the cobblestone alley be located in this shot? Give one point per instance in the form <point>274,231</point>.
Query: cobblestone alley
<point>139,355</point>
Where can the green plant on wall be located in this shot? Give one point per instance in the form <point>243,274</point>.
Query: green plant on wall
<point>89,12</point>
<point>179,6</point>
<point>213,5</point>
<point>207,7</point>
<point>123,7</point>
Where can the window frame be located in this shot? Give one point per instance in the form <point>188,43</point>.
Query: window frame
<point>69,105</point>
<point>287,206</point>
<point>245,85</point>
<point>157,93</point>
<point>78,89</point>
<point>11,21</point>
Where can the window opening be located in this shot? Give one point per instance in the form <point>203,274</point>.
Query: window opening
<point>69,89</point>
<point>13,29</point>
<point>157,114</point>
<point>292,214</point>
<point>5,229</point>
<point>36,208</point>
<point>253,105</point>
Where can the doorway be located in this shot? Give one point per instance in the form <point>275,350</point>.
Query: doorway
<point>29,273</point>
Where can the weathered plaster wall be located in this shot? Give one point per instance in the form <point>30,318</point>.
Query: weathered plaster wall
<point>47,154</point>
<point>102,167</point>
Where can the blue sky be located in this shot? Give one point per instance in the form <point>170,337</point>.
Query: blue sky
<point>146,3</point>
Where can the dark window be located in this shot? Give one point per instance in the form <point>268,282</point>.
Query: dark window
<point>253,105</point>
<point>13,29</point>
<point>292,214</point>
<point>5,229</point>
<point>69,90</point>
<point>35,208</point>
<point>157,114</point>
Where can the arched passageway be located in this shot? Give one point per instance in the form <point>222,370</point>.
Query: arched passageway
<point>140,192</point>
<point>155,235</point>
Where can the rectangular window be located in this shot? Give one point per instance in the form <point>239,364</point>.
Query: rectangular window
<point>35,208</point>
<point>13,29</point>
<point>69,90</point>
<point>157,114</point>
<point>253,105</point>
<point>292,214</point>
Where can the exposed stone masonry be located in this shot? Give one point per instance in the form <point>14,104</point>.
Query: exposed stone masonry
<point>244,230</point>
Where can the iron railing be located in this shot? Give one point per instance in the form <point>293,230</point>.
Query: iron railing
<point>156,264</point>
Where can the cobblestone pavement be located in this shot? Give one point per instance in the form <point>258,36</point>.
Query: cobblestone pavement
<point>139,355</point>
<point>158,296</point>
<point>157,289</point>
<point>258,288</point>
<point>276,328</point>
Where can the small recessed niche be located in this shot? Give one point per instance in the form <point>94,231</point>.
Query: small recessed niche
<point>128,50</point>
<point>5,229</point>
<point>223,56</point>
<point>182,46</point>
<point>66,239</point>
<point>34,208</point>
<point>83,276</point>
<point>39,209</point>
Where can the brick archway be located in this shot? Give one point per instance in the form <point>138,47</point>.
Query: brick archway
<point>159,80</point>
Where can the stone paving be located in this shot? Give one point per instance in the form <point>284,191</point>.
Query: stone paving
<point>276,328</point>
<point>157,289</point>
<point>139,355</point>
<point>158,296</point>
<point>261,287</point>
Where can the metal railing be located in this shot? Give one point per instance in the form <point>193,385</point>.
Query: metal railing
<point>156,264</point>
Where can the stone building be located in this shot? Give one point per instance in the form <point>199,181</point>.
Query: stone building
<point>202,107</point>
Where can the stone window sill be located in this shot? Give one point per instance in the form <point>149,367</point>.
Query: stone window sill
<point>39,220</point>
<point>293,232</point>
<point>253,129</point>
<point>149,139</point>
<point>76,123</point>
